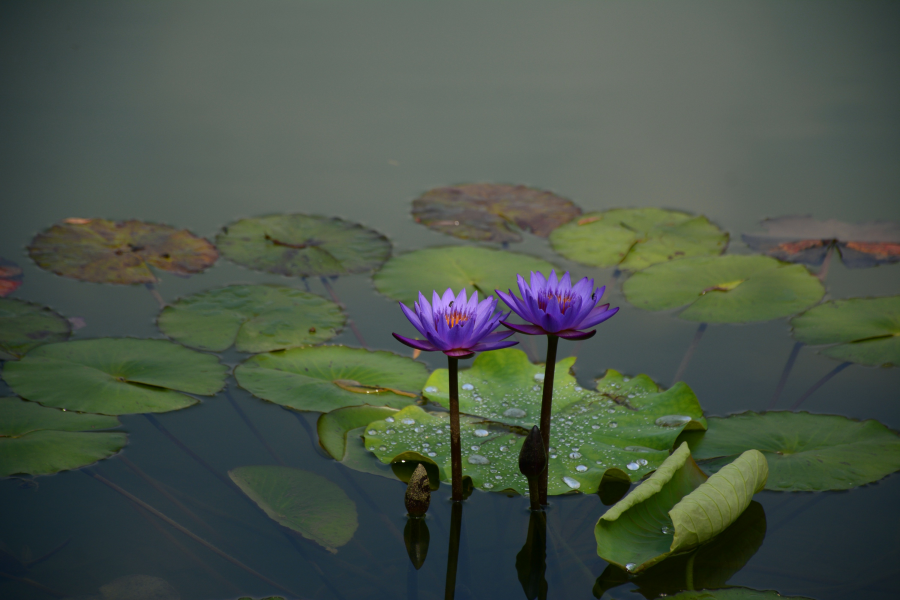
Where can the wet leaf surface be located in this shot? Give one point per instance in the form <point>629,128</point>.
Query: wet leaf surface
<point>102,251</point>
<point>10,277</point>
<point>115,376</point>
<point>457,267</point>
<point>864,330</point>
<point>725,289</point>
<point>303,245</point>
<point>491,212</point>
<point>807,240</point>
<point>676,509</point>
<point>805,452</point>
<point>302,501</point>
<point>36,440</point>
<point>24,326</point>
<point>635,238</point>
<point>324,378</point>
<point>254,318</point>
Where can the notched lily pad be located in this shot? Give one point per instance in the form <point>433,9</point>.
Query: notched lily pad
<point>457,267</point>
<point>806,240</point>
<point>725,289</point>
<point>36,440</point>
<point>10,277</point>
<point>254,318</point>
<point>302,501</point>
<point>635,238</point>
<point>115,376</point>
<point>676,509</point>
<point>865,330</point>
<point>24,326</point>
<point>492,212</point>
<point>102,251</point>
<point>333,427</point>
<point>805,452</point>
<point>323,378</point>
<point>303,245</point>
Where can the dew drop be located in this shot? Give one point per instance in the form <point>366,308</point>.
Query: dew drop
<point>633,466</point>
<point>503,448</point>
<point>672,420</point>
<point>373,432</point>
<point>408,421</point>
<point>638,449</point>
<point>552,456</point>
<point>432,454</point>
<point>418,430</point>
<point>666,529</point>
<point>630,567</point>
<point>477,459</point>
<point>643,462</point>
<point>481,433</point>
<point>538,376</point>
<point>476,448</point>
<point>487,485</point>
<point>613,424</point>
<point>388,431</point>
<point>630,396</point>
<point>515,413</point>
<point>382,448</point>
<point>431,389</point>
<point>468,386</point>
<point>389,420</point>
<point>581,468</point>
<point>536,388</point>
<point>572,483</point>
<point>595,427</point>
<point>498,477</point>
<point>578,388</point>
<point>575,455</point>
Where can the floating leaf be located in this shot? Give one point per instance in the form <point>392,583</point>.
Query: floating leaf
<point>625,429</point>
<point>35,440</point>
<point>866,330</point>
<point>324,378</point>
<point>302,245</point>
<point>10,277</point>
<point>104,251</point>
<point>725,289</point>
<point>308,503</point>
<point>491,212</point>
<point>115,376</point>
<point>457,267</point>
<point>635,238</point>
<point>806,240</point>
<point>333,426</point>
<point>255,318</point>
<point>676,509</point>
<point>24,326</point>
<point>806,452</point>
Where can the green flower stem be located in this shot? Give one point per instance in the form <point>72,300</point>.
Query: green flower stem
<point>455,453</point>
<point>546,404</point>
<point>453,550</point>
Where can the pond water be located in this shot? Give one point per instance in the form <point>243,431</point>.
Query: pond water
<point>198,114</point>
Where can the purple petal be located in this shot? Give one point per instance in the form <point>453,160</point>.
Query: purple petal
<point>460,301</point>
<point>436,303</point>
<point>424,309</point>
<point>566,282</point>
<point>553,317</point>
<point>493,346</point>
<point>496,336</point>
<point>574,334</point>
<point>512,302</point>
<point>447,298</point>
<point>537,281</point>
<point>595,319</point>
<point>459,353</point>
<point>413,318</point>
<point>526,329</point>
<point>599,293</point>
<point>473,303</point>
<point>522,285</point>
<point>417,344</point>
<point>583,287</point>
<point>553,283</point>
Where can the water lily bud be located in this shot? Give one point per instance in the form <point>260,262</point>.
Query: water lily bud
<point>418,493</point>
<point>533,457</point>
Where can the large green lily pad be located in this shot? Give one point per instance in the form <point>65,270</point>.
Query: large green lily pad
<point>866,330</point>
<point>626,428</point>
<point>303,245</point>
<point>456,267</point>
<point>255,318</point>
<point>725,289</point>
<point>806,452</point>
<point>492,212</point>
<point>36,440</point>
<point>676,509</point>
<point>333,426</point>
<point>24,326</point>
<point>308,503</point>
<point>635,238</point>
<point>115,376</point>
<point>123,252</point>
<point>323,378</point>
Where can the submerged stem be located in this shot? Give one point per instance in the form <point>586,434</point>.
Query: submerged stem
<point>546,405</point>
<point>785,374</point>
<point>689,353</point>
<point>455,452</point>
<point>820,383</point>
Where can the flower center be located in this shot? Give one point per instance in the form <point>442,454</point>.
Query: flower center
<point>455,317</point>
<point>565,299</point>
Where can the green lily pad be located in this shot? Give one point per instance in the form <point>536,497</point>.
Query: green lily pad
<point>491,212</point>
<point>806,452</point>
<point>122,252</point>
<point>457,267</point>
<point>302,501</point>
<point>36,440</point>
<point>333,426</point>
<point>10,277</point>
<point>24,326</point>
<point>115,376</point>
<point>635,238</point>
<point>303,245</point>
<point>866,330</point>
<point>725,289</point>
<point>255,318</point>
<point>323,378</point>
<point>676,509</point>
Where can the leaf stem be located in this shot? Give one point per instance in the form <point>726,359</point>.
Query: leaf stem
<point>546,405</point>
<point>455,452</point>
<point>689,353</point>
<point>820,383</point>
<point>788,366</point>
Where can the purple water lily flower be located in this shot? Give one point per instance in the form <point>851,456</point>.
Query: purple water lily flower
<point>456,326</point>
<point>557,307</point>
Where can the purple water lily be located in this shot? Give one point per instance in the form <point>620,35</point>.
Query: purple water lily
<point>557,307</point>
<point>456,326</point>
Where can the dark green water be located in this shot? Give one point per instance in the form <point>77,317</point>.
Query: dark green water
<point>196,114</point>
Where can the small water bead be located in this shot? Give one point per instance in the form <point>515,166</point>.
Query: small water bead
<point>408,421</point>
<point>536,388</point>
<point>666,529</point>
<point>498,477</point>
<point>418,430</point>
<point>382,448</point>
<point>503,448</point>
<point>538,376</point>
<point>482,433</point>
<point>631,567</point>
<point>487,485</point>
<point>515,413</point>
<point>633,466</point>
<point>673,420</point>
<point>432,454</point>
<point>581,468</point>
<point>643,462</point>
<point>476,448</point>
<point>613,424</point>
<point>373,432</point>
<point>611,411</point>
<point>630,396</point>
<point>426,445</point>
<point>477,459</point>
<point>578,388</point>
<point>468,386</point>
<point>389,420</point>
<point>595,427</point>
<point>575,455</point>
<point>504,404</point>
<point>572,483</point>
<point>431,389</point>
<point>626,379</point>
<point>388,431</point>
<point>638,449</point>
<point>552,456</point>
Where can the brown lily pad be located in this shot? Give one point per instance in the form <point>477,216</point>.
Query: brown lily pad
<point>102,251</point>
<point>10,277</point>
<point>492,212</point>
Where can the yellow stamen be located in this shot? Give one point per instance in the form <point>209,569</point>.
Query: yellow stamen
<point>455,318</point>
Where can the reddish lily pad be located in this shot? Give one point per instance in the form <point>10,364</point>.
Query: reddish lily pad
<point>10,277</point>
<point>123,252</point>
<point>806,240</point>
<point>492,212</point>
